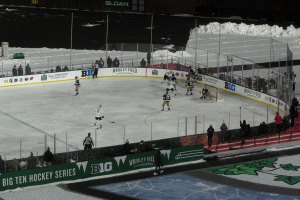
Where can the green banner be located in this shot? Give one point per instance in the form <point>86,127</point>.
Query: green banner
<point>80,170</point>
<point>19,56</point>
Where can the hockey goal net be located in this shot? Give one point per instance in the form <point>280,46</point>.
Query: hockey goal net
<point>213,93</point>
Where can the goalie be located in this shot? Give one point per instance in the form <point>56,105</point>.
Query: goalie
<point>205,94</point>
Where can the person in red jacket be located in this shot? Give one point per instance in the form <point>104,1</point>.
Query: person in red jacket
<point>278,122</point>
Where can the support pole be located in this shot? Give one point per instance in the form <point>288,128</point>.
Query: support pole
<point>95,138</point>
<point>196,36</point>
<point>106,39</point>
<point>20,148</point>
<point>240,114</point>
<point>45,142</point>
<point>195,125</point>
<point>71,41</point>
<point>203,123</point>
<point>229,121</point>
<point>185,126</point>
<point>151,131</point>
<point>124,136</point>
<point>54,145</point>
<point>66,141</point>
<point>253,117</point>
<point>178,127</point>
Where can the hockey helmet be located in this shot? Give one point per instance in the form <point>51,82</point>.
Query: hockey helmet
<point>76,77</point>
<point>100,105</point>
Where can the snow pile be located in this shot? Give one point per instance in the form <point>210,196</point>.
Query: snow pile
<point>166,53</point>
<point>250,30</point>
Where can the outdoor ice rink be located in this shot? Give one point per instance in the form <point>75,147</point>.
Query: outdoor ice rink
<point>132,110</point>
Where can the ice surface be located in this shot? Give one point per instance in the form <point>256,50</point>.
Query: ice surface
<point>131,106</point>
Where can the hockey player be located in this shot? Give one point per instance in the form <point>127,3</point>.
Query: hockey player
<point>166,99</point>
<point>173,81</point>
<point>77,85</point>
<point>190,86</point>
<point>88,142</point>
<point>167,77</point>
<point>99,116</point>
<point>205,93</point>
<point>170,87</point>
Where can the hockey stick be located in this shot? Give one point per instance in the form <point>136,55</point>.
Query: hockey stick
<point>112,122</point>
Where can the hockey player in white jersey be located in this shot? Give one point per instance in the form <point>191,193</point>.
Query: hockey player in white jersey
<point>170,87</point>
<point>167,77</point>
<point>98,116</point>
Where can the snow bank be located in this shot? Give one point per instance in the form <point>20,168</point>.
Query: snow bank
<point>250,30</point>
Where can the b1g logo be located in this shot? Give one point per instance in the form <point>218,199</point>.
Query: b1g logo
<point>230,86</point>
<point>88,72</point>
<point>101,168</point>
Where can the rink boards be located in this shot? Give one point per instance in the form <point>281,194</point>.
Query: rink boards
<point>144,73</point>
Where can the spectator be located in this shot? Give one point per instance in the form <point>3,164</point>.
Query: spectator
<point>95,71</point>
<point>142,147</point>
<point>31,161</point>
<point>293,114</point>
<point>23,165</point>
<point>143,63</point>
<point>20,71</point>
<point>109,62</point>
<point>294,82</point>
<point>285,123</point>
<point>278,122</point>
<point>116,62</point>
<point>273,80</point>
<point>48,157</point>
<point>262,129</point>
<point>27,70</point>
<point>210,134</point>
<point>243,131</point>
<point>65,68</point>
<point>223,133</point>
<point>158,162</point>
<point>127,147</point>
<point>88,142</point>
<point>295,102</point>
<point>148,58</point>
<point>101,63</point>
<point>58,68</point>
<point>15,164</point>
<point>162,66</point>
<point>51,70</point>
<point>247,131</point>
<point>15,71</point>
<point>2,165</point>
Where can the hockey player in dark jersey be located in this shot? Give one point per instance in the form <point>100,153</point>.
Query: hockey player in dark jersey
<point>167,77</point>
<point>205,93</point>
<point>190,86</point>
<point>166,99</point>
<point>88,142</point>
<point>77,85</point>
